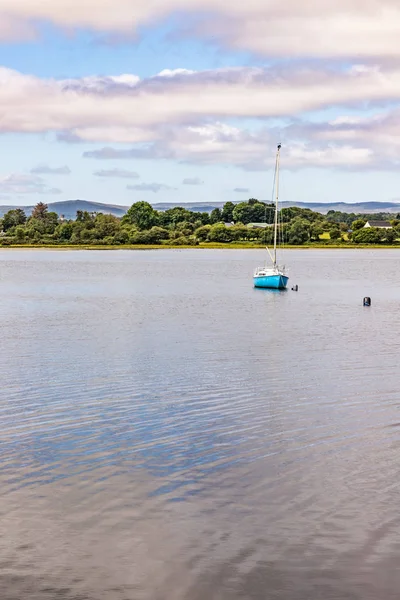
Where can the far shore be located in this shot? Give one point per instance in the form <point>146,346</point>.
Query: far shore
<point>207,246</point>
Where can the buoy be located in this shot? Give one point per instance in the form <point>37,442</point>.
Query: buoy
<point>367,301</point>
<point>295,288</point>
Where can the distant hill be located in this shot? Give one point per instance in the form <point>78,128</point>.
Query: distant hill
<point>68,208</point>
<point>321,207</point>
<point>357,207</point>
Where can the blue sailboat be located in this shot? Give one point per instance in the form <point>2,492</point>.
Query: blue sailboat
<point>274,276</point>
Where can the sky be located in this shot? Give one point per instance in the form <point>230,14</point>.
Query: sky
<point>118,101</point>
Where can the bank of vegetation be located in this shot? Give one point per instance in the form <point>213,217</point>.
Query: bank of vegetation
<point>234,225</point>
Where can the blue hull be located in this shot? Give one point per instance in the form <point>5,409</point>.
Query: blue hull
<point>276,282</point>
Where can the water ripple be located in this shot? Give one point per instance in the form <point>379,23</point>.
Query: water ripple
<point>185,436</point>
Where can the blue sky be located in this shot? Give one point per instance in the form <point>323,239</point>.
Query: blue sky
<point>151,97</point>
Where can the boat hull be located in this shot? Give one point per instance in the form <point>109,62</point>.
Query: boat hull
<point>276,282</point>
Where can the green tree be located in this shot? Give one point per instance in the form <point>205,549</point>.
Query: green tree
<point>88,236</point>
<point>205,218</point>
<point>109,240</point>
<point>334,231</point>
<point>370,235</point>
<point>157,235</point>
<point>239,232</point>
<point>288,214</point>
<point>357,224</point>
<point>253,211</point>
<point>202,218</point>
<point>106,225</point>
<point>184,241</point>
<point>121,237</point>
<point>83,216</point>
<point>185,228</point>
<point>202,233</point>
<point>227,212</point>
<point>173,216</point>
<point>299,231</point>
<point>220,233</point>
<point>13,217</point>
<point>76,236</point>
<point>316,230</point>
<point>19,234</point>
<point>266,236</point>
<point>240,213</point>
<point>215,216</point>
<point>390,236</point>
<point>38,226</point>
<point>64,232</point>
<point>51,222</point>
<point>143,215</point>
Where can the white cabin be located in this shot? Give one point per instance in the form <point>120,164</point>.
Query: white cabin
<point>379,224</point>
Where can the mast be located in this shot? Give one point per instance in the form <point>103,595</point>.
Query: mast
<point>276,200</point>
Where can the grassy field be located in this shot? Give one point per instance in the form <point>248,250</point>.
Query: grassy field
<point>203,246</point>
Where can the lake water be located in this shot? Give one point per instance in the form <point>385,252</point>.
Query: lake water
<point>170,433</point>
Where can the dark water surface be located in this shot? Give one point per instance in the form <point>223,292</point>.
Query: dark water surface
<point>170,433</point>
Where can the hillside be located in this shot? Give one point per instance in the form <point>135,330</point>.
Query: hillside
<point>321,207</point>
<point>68,208</point>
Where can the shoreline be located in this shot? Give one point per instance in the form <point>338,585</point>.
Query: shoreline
<point>210,246</point>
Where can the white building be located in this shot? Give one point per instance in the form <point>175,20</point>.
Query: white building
<point>379,224</point>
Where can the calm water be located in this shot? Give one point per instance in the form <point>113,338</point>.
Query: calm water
<point>170,433</point>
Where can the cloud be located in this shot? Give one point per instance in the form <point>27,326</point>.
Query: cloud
<point>327,29</point>
<point>150,187</point>
<point>149,152</point>
<point>192,181</point>
<point>340,28</point>
<point>125,110</point>
<point>162,118</point>
<point>309,145</point>
<point>372,142</point>
<point>68,137</point>
<point>120,173</point>
<point>25,184</point>
<point>241,190</point>
<point>45,170</point>
<point>209,144</point>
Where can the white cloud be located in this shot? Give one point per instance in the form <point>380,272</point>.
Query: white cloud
<point>174,72</point>
<point>192,181</point>
<point>119,173</point>
<point>308,145</point>
<point>108,110</point>
<point>150,187</point>
<point>179,116</point>
<point>25,184</point>
<point>373,141</point>
<point>241,190</point>
<point>319,28</point>
<point>304,155</point>
<point>46,170</point>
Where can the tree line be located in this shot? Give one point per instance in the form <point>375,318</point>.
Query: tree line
<point>144,225</point>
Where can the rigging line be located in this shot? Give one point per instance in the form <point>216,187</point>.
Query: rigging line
<point>280,229</point>
<point>269,208</point>
<point>272,194</point>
